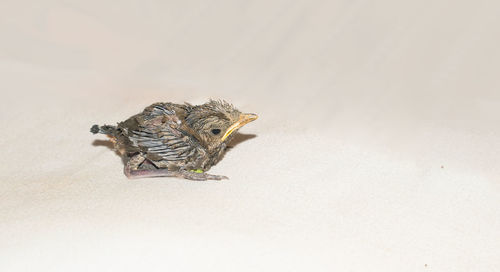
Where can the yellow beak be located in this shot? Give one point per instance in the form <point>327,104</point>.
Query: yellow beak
<point>245,118</point>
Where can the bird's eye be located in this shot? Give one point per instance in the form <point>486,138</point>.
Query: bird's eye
<point>215,131</point>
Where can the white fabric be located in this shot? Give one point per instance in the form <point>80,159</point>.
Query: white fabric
<point>377,146</point>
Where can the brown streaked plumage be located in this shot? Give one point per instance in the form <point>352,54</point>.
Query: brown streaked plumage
<point>176,140</point>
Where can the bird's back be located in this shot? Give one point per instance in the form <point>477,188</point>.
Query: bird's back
<point>159,134</point>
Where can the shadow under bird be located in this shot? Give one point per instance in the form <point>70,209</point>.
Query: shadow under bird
<point>176,140</point>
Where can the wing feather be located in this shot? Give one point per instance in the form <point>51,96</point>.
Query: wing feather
<point>161,140</point>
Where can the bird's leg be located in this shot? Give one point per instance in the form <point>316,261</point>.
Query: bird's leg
<point>132,169</point>
<point>199,175</point>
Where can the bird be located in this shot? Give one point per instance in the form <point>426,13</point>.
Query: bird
<point>176,140</point>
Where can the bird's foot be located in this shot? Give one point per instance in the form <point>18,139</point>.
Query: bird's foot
<point>199,175</point>
<point>152,173</point>
<point>149,173</point>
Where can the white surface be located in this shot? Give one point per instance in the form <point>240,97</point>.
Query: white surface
<point>377,146</point>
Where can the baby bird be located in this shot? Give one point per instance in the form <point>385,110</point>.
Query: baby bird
<point>176,140</point>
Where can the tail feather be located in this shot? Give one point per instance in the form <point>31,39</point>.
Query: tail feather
<point>108,130</point>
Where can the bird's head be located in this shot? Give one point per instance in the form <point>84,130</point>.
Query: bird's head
<point>216,122</point>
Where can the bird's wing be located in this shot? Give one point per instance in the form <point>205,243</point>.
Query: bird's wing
<point>158,134</point>
<point>163,144</point>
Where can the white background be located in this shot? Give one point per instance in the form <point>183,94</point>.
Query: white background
<point>377,146</point>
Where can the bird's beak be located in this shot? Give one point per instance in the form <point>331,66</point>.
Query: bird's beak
<point>245,118</point>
